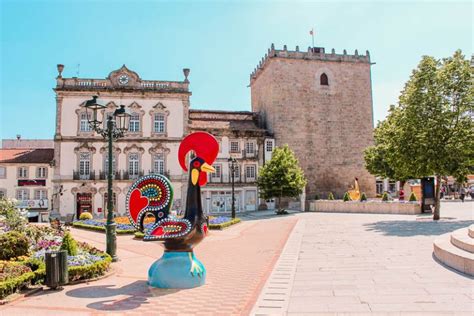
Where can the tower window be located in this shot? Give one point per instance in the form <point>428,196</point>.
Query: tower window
<point>324,80</point>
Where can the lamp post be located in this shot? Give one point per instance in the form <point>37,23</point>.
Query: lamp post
<point>115,128</point>
<point>232,162</point>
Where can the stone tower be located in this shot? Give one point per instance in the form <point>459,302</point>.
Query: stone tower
<point>320,104</point>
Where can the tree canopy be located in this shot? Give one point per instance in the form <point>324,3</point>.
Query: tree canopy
<point>281,176</point>
<point>430,131</point>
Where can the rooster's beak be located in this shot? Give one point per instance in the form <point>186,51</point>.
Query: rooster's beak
<point>207,168</point>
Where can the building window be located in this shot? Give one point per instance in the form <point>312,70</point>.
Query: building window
<point>22,172</point>
<point>84,165</point>
<point>134,125</point>
<point>379,187</point>
<point>218,173</point>
<point>250,148</point>
<point>84,122</point>
<point>234,147</point>
<point>250,172</point>
<point>22,194</point>
<point>323,80</point>
<point>3,173</point>
<point>3,193</point>
<point>133,165</point>
<point>269,145</point>
<point>159,123</point>
<point>158,164</point>
<point>41,195</point>
<point>41,172</point>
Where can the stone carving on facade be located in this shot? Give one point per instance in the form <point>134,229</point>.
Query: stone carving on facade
<point>159,108</point>
<point>115,189</point>
<point>135,148</point>
<point>84,146</point>
<point>124,77</point>
<point>84,188</point>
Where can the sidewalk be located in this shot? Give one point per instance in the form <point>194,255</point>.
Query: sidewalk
<point>365,263</point>
<point>238,261</point>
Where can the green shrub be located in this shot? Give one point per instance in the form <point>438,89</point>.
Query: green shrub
<point>85,215</point>
<point>12,285</point>
<point>346,197</point>
<point>90,271</point>
<point>412,197</point>
<point>225,224</point>
<point>363,197</point>
<point>78,224</point>
<point>69,244</point>
<point>139,235</point>
<point>330,196</point>
<point>13,244</point>
<point>385,197</point>
<point>316,197</point>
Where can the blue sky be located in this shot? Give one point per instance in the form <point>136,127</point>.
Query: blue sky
<point>221,41</point>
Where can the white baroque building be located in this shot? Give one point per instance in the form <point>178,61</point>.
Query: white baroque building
<point>161,117</point>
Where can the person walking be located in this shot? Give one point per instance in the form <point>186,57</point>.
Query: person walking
<point>401,195</point>
<point>462,193</point>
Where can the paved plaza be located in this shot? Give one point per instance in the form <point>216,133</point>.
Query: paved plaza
<point>300,264</point>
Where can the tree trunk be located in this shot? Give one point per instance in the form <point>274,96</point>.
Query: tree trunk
<point>279,203</point>
<point>437,198</point>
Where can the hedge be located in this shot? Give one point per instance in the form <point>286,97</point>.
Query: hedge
<point>102,228</point>
<point>10,286</point>
<point>76,273</point>
<point>224,225</point>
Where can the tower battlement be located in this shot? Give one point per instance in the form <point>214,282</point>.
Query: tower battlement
<point>313,53</point>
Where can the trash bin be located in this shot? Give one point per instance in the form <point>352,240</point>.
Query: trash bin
<point>56,269</point>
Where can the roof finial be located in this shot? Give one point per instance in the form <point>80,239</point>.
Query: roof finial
<point>60,70</point>
<point>186,74</point>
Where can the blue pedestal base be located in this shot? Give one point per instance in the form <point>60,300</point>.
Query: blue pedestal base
<point>177,270</point>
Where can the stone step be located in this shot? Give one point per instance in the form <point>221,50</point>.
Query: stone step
<point>452,256</point>
<point>471,231</point>
<point>461,239</point>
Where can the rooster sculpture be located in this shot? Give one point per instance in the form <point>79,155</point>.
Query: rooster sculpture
<point>152,196</point>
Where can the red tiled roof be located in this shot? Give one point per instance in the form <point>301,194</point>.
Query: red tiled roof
<point>39,155</point>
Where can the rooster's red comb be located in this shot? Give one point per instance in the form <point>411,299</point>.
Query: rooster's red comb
<point>204,146</point>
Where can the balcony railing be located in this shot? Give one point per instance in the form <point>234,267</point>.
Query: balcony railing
<point>166,173</point>
<point>76,175</point>
<point>115,176</point>
<point>126,175</point>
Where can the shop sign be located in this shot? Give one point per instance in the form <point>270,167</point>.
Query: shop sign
<point>27,182</point>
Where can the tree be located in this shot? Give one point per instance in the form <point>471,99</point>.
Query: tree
<point>281,176</point>
<point>430,131</point>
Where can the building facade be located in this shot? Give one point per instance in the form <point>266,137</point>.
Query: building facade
<point>160,119</point>
<point>320,104</point>
<point>26,175</point>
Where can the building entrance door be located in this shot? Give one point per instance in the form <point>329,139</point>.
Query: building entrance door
<point>83,203</point>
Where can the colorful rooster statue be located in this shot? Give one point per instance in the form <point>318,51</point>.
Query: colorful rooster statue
<point>153,195</point>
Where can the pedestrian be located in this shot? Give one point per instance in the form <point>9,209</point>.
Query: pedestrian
<point>462,193</point>
<point>443,191</point>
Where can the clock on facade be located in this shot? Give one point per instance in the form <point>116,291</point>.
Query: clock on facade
<point>123,79</point>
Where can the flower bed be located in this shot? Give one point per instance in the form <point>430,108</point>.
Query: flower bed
<point>221,222</point>
<point>19,269</point>
<point>123,224</point>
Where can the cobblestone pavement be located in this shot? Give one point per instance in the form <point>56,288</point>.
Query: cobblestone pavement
<point>361,263</point>
<point>238,261</point>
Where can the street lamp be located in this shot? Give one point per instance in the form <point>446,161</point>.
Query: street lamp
<point>116,126</point>
<point>232,162</point>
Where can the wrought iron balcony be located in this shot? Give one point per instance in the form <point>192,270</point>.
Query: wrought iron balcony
<point>76,175</point>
